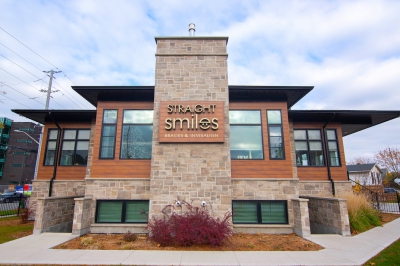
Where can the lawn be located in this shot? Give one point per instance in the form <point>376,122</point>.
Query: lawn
<point>11,228</point>
<point>388,257</point>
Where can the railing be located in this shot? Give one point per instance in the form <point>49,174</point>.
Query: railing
<point>382,202</point>
<point>12,206</point>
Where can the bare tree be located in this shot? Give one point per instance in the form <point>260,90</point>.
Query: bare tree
<point>389,158</point>
<point>360,160</point>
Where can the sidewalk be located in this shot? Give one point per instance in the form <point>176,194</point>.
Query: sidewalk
<point>36,249</point>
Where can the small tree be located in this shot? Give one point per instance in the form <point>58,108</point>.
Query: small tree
<point>389,158</point>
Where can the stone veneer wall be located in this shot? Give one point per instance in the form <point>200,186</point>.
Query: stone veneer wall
<point>191,69</point>
<point>323,188</point>
<point>328,216</point>
<point>301,225</point>
<point>54,214</point>
<point>83,213</point>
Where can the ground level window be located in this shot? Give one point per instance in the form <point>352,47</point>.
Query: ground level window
<point>122,211</point>
<point>259,212</point>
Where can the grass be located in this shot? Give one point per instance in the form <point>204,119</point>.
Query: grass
<point>8,212</point>
<point>9,230</point>
<point>388,257</point>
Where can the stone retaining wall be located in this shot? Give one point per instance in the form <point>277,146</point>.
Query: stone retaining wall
<point>301,225</point>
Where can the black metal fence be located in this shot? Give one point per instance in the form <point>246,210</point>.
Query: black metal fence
<point>14,205</point>
<point>382,202</point>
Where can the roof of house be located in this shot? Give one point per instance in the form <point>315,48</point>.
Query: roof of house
<point>360,167</point>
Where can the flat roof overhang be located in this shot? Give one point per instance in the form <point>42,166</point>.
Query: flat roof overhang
<point>352,120</point>
<point>289,94</point>
<point>43,116</point>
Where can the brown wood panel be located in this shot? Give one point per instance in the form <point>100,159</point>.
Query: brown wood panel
<point>265,168</point>
<point>121,168</point>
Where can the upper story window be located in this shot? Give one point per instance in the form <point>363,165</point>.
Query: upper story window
<point>246,135</point>
<point>137,134</point>
<point>308,143</point>
<point>107,143</point>
<point>333,150</point>
<point>75,146</point>
<point>51,147</point>
<point>24,141</point>
<point>276,144</point>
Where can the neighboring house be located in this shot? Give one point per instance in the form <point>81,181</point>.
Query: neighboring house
<point>366,174</point>
<point>192,137</point>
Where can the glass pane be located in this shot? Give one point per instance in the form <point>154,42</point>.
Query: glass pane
<point>68,145</point>
<point>81,157</point>
<point>67,153</point>
<point>53,134</point>
<point>51,145</point>
<point>50,155</point>
<point>69,134</point>
<point>108,131</point>
<point>275,131</point>
<point>246,142</point>
<point>276,153</point>
<point>110,211</point>
<point>301,145</point>
<point>316,158</point>
<point>300,134</point>
<point>274,117</point>
<point>273,213</point>
<point>136,142</point>
<point>244,212</point>
<point>315,146</point>
<point>107,152</point>
<point>332,145</point>
<point>136,211</point>
<point>334,158</point>
<point>108,141</point>
<point>244,117</point>
<point>331,134</point>
<point>302,158</point>
<point>84,134</point>
<point>82,145</point>
<point>314,134</point>
<point>138,117</point>
<point>110,116</point>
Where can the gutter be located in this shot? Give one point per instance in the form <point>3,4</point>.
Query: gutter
<point>56,155</point>
<point>326,155</point>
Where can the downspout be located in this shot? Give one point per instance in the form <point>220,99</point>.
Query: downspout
<point>326,155</point>
<point>56,155</point>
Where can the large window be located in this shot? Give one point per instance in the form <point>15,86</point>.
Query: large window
<point>75,146</point>
<point>333,150</point>
<point>51,147</point>
<point>246,135</point>
<point>259,212</point>
<point>308,143</point>
<point>107,148</point>
<point>276,147</point>
<point>122,211</point>
<point>137,134</point>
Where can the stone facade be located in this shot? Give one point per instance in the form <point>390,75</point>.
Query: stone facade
<point>191,69</point>
<point>301,225</point>
<point>323,188</point>
<point>83,216</point>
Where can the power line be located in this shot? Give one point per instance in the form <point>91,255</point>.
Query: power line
<point>69,94</point>
<point>21,93</point>
<point>15,101</point>
<point>19,66</point>
<point>21,57</point>
<point>19,79</point>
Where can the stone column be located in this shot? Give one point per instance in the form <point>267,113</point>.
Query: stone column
<point>191,69</point>
<point>301,224</point>
<point>82,216</point>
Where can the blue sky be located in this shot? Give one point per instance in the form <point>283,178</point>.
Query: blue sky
<point>348,50</point>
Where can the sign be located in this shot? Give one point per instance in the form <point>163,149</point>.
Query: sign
<point>191,122</point>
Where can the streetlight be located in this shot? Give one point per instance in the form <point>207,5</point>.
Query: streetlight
<point>16,130</point>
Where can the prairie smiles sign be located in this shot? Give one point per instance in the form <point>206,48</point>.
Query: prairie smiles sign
<point>191,121</point>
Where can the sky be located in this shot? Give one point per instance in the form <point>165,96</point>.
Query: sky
<point>348,50</point>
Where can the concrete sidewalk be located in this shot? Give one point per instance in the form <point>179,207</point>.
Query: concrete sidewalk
<point>36,249</point>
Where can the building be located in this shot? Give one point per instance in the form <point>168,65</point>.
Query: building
<point>18,152</point>
<point>193,137</point>
<point>366,174</point>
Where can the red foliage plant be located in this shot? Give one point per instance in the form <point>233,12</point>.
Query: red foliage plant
<point>194,226</point>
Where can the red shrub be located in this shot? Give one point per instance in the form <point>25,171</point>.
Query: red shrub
<point>195,226</point>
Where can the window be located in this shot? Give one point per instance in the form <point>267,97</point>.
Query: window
<point>75,146</point>
<point>50,155</point>
<point>308,144</point>
<point>107,145</point>
<point>333,150</point>
<point>246,135</point>
<point>24,141</point>
<point>122,211</point>
<point>26,129</point>
<point>19,165</point>
<point>22,153</point>
<point>276,148</point>
<point>259,212</point>
<point>137,134</point>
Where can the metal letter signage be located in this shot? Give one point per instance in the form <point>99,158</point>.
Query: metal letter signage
<point>191,122</point>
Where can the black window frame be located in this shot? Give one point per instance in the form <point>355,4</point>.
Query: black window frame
<point>23,141</point>
<point>250,124</point>
<point>259,213</point>
<point>307,140</point>
<point>47,145</point>
<point>336,140</point>
<point>270,125</point>
<point>103,125</point>
<point>75,146</point>
<point>123,212</point>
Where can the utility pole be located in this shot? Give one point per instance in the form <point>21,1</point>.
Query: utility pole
<point>50,84</point>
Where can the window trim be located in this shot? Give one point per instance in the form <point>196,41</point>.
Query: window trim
<point>56,153</point>
<point>102,132</point>
<point>123,211</point>
<point>327,147</point>
<point>269,136</point>
<point>259,213</point>
<point>75,140</point>
<point>321,131</point>
<point>262,135</point>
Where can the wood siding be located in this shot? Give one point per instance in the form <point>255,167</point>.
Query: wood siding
<point>118,168</point>
<point>265,168</point>
<point>320,173</point>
